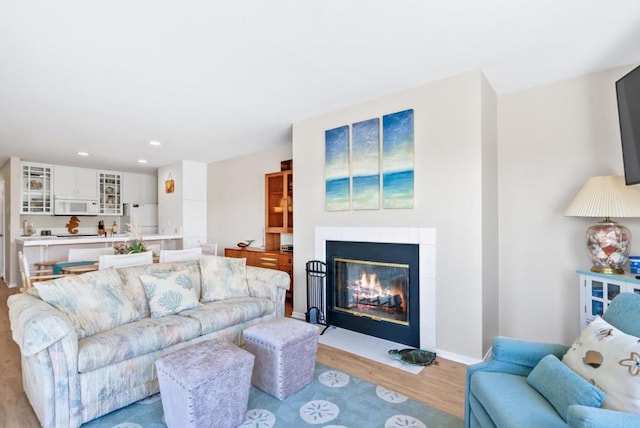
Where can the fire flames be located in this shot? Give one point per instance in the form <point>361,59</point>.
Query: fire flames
<point>368,291</point>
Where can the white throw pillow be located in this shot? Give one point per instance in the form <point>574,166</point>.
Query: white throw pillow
<point>169,292</point>
<point>223,278</point>
<point>610,359</point>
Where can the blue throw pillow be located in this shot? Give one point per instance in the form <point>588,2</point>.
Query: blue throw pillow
<point>563,387</point>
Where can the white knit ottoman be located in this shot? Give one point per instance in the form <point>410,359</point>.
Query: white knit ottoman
<point>205,385</point>
<point>285,351</point>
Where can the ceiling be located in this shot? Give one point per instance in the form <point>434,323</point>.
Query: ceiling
<point>217,79</point>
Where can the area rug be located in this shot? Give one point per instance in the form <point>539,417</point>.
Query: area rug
<point>366,346</point>
<point>333,400</point>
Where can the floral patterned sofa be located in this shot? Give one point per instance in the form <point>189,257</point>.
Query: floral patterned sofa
<point>89,342</point>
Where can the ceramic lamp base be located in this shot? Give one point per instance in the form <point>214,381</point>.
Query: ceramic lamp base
<point>608,244</point>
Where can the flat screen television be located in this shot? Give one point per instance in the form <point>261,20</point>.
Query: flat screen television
<point>628,92</point>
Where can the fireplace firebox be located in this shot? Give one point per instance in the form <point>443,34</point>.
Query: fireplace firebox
<point>373,288</point>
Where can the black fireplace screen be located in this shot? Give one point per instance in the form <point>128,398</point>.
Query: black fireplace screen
<point>374,289</point>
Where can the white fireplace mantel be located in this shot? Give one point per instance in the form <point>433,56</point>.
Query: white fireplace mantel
<point>425,238</point>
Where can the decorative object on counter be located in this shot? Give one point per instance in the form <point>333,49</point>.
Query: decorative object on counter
<point>72,226</point>
<point>608,242</point>
<point>169,184</point>
<point>246,243</point>
<point>135,245</point>
<point>28,228</point>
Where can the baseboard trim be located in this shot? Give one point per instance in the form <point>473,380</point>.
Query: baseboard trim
<point>299,315</point>
<point>458,358</point>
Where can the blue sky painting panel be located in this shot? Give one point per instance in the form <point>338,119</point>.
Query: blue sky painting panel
<point>365,165</point>
<point>337,169</point>
<point>397,160</point>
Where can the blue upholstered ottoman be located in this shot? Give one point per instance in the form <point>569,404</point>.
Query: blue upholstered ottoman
<point>285,351</point>
<point>205,385</point>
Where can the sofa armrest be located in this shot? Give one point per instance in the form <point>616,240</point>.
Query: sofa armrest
<point>35,324</point>
<point>269,283</point>
<point>49,347</point>
<point>593,417</point>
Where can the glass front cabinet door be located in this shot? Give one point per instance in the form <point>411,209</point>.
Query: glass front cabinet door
<point>598,290</point>
<point>110,188</point>
<point>36,189</point>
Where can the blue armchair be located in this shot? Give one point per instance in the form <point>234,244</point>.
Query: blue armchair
<point>497,393</point>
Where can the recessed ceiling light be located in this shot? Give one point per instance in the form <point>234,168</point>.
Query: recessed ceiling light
<point>142,161</point>
<point>154,143</point>
<point>83,154</point>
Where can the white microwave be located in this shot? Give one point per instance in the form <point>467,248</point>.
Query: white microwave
<point>67,206</point>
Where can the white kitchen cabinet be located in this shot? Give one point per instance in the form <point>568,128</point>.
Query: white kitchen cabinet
<point>36,189</point>
<point>598,289</point>
<point>110,192</point>
<point>72,182</point>
<point>139,188</point>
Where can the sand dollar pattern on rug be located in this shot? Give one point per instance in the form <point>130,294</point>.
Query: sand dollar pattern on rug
<point>334,379</point>
<point>259,418</point>
<point>389,395</point>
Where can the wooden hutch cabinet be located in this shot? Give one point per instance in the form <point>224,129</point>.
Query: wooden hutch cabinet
<point>278,219</point>
<point>278,191</point>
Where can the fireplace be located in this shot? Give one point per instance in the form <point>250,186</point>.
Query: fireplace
<point>373,288</point>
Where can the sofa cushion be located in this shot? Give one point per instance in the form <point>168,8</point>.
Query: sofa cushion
<point>134,339</point>
<point>169,292</point>
<point>214,316</point>
<point>134,289</point>
<point>563,387</point>
<point>223,278</point>
<point>94,302</point>
<point>610,359</point>
<point>511,402</point>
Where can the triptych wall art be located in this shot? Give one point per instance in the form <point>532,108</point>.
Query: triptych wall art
<point>363,174</point>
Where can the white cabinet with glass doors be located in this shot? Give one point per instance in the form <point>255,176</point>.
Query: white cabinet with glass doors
<point>36,195</point>
<point>597,290</point>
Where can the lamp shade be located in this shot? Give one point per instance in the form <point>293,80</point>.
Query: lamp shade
<point>605,196</point>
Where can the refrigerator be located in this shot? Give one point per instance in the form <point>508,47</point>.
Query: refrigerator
<point>145,216</point>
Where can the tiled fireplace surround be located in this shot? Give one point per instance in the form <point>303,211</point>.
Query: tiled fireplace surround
<point>425,238</point>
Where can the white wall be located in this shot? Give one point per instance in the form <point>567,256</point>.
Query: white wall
<point>236,196</point>
<point>490,221</point>
<point>551,139</point>
<point>11,173</point>
<point>185,210</point>
<point>170,204</point>
<point>448,195</point>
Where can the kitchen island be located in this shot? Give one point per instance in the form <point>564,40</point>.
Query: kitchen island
<point>54,248</point>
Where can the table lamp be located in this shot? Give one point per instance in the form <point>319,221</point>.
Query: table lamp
<point>608,242</point>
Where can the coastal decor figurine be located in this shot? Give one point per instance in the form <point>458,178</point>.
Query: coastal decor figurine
<point>246,243</point>
<point>134,244</point>
<point>72,226</point>
<point>419,357</point>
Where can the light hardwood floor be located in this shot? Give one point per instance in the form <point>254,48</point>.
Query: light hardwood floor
<point>440,386</point>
